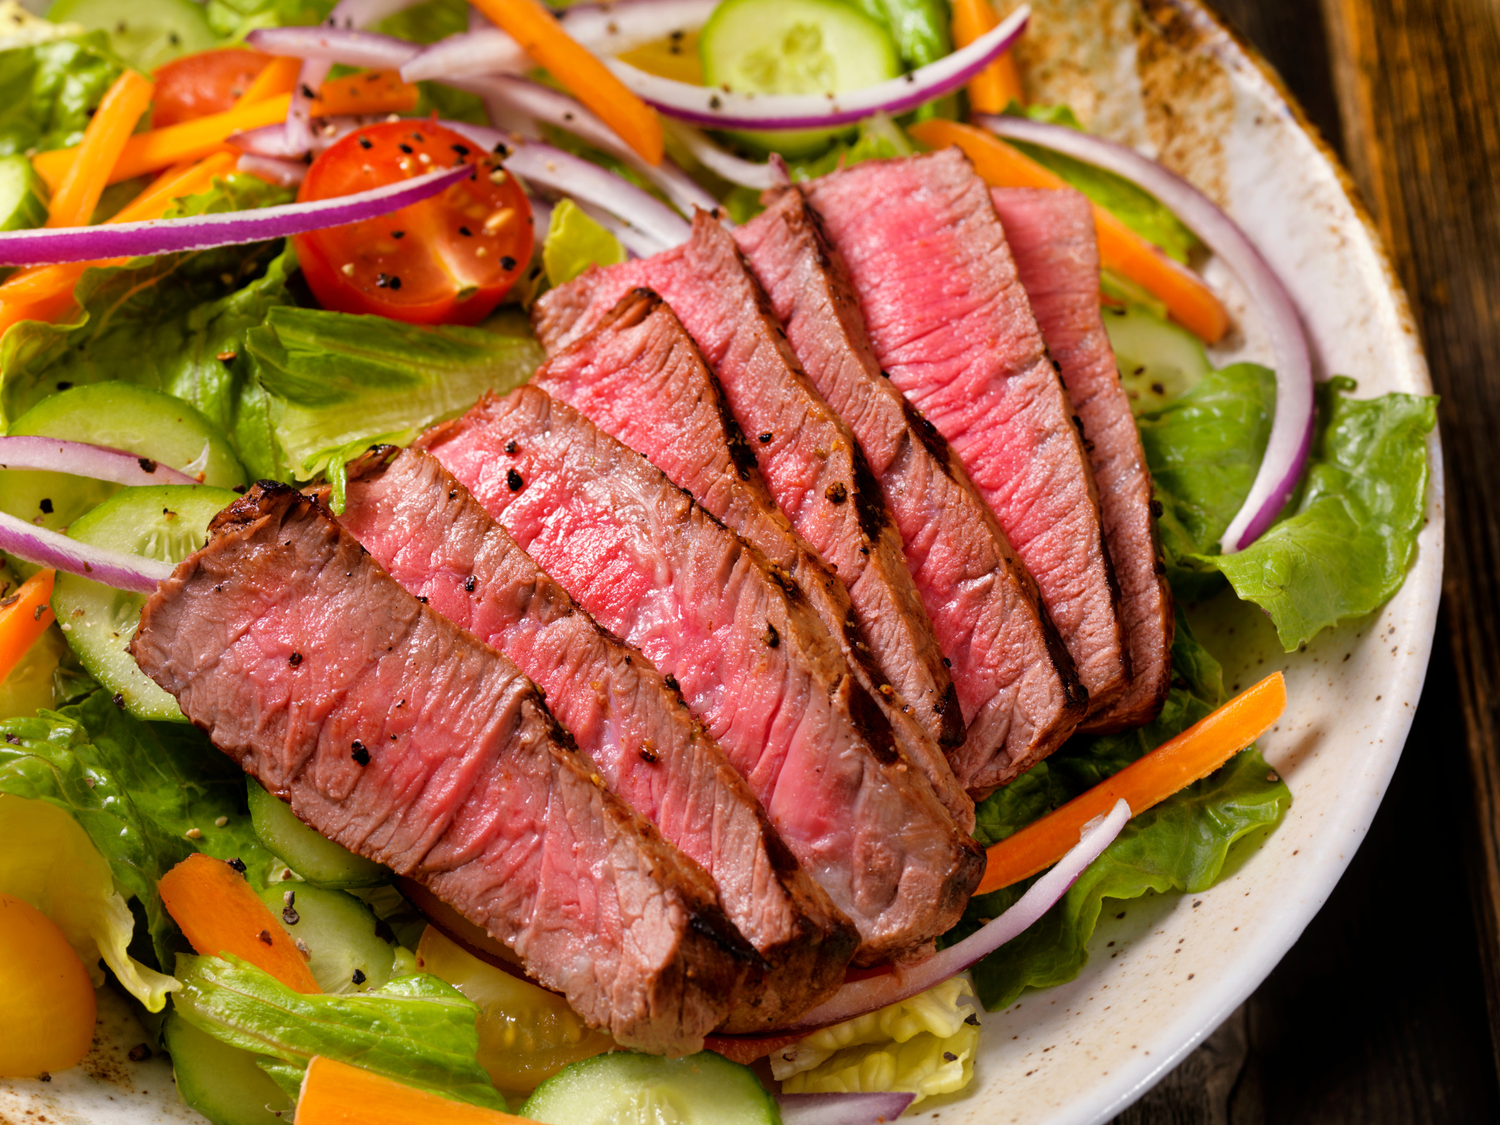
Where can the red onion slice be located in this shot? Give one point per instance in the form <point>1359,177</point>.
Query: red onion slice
<point>725,164</point>
<point>714,108</point>
<point>26,451</point>
<point>47,245</point>
<point>273,169</point>
<point>605,29</point>
<point>873,993</point>
<point>135,573</point>
<point>842,1109</point>
<point>334,45</point>
<point>1292,424</point>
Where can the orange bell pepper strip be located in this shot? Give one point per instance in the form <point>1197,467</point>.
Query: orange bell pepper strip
<point>365,92</point>
<point>335,1093</point>
<point>998,84</point>
<point>219,913</point>
<point>543,38</point>
<point>24,617</point>
<point>1174,765</point>
<point>1188,298</point>
<point>279,76</point>
<point>76,193</point>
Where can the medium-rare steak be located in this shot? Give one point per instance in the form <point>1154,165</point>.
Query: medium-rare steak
<point>639,377</point>
<point>1051,234</point>
<point>405,739</point>
<point>810,458</point>
<point>753,661</point>
<point>1015,680</point>
<point>436,540</point>
<point>951,325</point>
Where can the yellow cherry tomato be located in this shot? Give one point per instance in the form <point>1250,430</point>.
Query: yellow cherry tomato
<point>526,1034</point>
<point>48,998</point>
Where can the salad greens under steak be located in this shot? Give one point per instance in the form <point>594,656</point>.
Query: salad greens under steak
<point>297,391</point>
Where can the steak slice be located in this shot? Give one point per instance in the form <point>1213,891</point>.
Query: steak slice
<point>754,662</point>
<point>811,460</point>
<point>1015,680</point>
<point>439,543</point>
<point>639,377</point>
<point>951,325</point>
<point>405,739</point>
<point>1051,234</point>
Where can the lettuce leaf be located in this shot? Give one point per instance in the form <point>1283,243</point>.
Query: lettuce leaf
<point>1346,545</point>
<point>575,242</point>
<point>234,19</point>
<point>136,789</point>
<point>416,1029</point>
<point>49,91</point>
<point>1181,844</point>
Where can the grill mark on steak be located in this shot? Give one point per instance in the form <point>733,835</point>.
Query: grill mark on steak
<point>1052,236</point>
<point>471,788</point>
<point>437,541</point>
<point>951,324</point>
<point>1016,685</point>
<point>640,378</point>
<point>655,568</point>
<point>811,457</point>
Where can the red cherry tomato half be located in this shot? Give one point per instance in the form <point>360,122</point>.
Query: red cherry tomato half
<point>208,82</point>
<point>446,260</point>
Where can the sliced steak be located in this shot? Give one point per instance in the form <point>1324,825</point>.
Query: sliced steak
<point>405,739</point>
<point>1015,680</point>
<point>439,543</point>
<point>753,661</point>
<point>639,377</point>
<point>951,325</point>
<point>810,458</point>
<point>1051,234</point>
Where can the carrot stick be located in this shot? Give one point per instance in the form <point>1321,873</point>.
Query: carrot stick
<point>24,616</point>
<point>219,913</point>
<point>544,39</point>
<point>279,76</point>
<point>998,84</point>
<point>370,91</point>
<point>76,193</point>
<point>1188,298</point>
<point>335,1093</point>
<point>1175,764</point>
<point>161,148</point>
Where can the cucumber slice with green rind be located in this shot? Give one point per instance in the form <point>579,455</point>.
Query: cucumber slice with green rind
<point>344,952</point>
<point>628,1088</point>
<point>222,1082</point>
<point>305,850</point>
<point>167,522</point>
<point>23,194</point>
<point>1158,360</point>
<point>145,33</point>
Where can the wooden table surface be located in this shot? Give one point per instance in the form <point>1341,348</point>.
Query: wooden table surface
<point>1388,1008</point>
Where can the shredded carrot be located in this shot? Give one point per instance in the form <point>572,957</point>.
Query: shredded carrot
<point>279,76</point>
<point>76,193</point>
<point>335,1093</point>
<point>544,39</point>
<point>1175,764</point>
<point>161,148</point>
<point>219,913</point>
<point>365,92</point>
<point>24,616</point>
<point>998,84</point>
<point>1188,298</point>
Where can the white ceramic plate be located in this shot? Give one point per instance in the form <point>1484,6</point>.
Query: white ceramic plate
<point>1164,76</point>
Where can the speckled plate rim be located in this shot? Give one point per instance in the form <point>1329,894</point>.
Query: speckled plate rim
<point>1168,969</point>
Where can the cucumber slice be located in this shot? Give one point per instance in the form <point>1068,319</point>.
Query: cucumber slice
<point>145,33</point>
<point>338,932</point>
<point>222,1082</point>
<point>163,522</point>
<point>305,850</point>
<point>23,195</point>
<point>634,1089</point>
<point>794,47</point>
<point>1157,359</point>
<point>124,416</point>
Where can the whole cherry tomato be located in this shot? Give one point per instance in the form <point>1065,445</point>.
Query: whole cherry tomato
<point>447,260</point>
<point>208,82</point>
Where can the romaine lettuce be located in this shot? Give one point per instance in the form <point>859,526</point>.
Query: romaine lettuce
<point>49,91</point>
<point>575,242</point>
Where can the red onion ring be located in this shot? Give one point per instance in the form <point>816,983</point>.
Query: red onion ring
<point>54,455</point>
<point>725,164</point>
<point>48,245</point>
<point>718,109</point>
<point>1292,424</point>
<point>273,169</point>
<point>842,1109</point>
<point>335,45</point>
<point>135,573</point>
